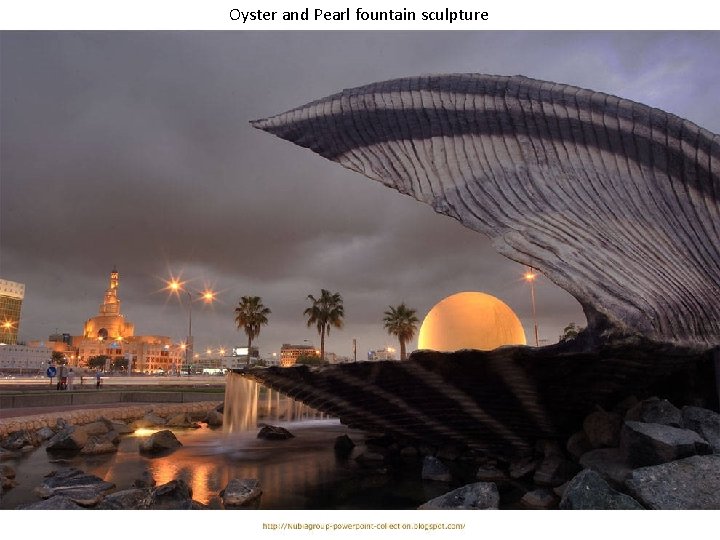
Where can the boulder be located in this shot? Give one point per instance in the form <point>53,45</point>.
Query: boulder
<point>522,467</point>
<point>128,499</point>
<point>490,473</point>
<point>121,428</point>
<point>652,444</point>
<point>539,499</point>
<point>83,489</point>
<point>687,484</point>
<point>343,446</point>
<point>369,458</point>
<point>18,440</point>
<point>705,423</point>
<point>241,492</point>
<point>7,483</point>
<point>554,470</point>
<point>478,496</point>
<point>99,427</point>
<point>69,440</point>
<point>159,443</point>
<point>610,463</point>
<point>578,444</point>
<point>175,495</point>
<point>434,469</point>
<point>7,471</point>
<point>655,411</point>
<point>603,429</point>
<point>146,480</point>
<point>214,419</point>
<point>182,420</point>
<point>588,491</point>
<point>274,433</point>
<point>150,420</point>
<point>98,446</point>
<point>57,502</point>
<point>45,433</point>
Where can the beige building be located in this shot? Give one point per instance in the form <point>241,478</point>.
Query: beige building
<point>290,353</point>
<point>110,334</point>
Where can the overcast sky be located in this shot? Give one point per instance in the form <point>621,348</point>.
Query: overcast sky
<point>134,149</point>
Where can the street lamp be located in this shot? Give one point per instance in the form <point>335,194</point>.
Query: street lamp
<point>530,277</point>
<point>176,286</point>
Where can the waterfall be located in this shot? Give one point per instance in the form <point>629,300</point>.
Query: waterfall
<point>247,402</point>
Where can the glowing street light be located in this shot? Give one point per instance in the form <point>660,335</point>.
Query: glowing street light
<point>530,277</point>
<point>175,286</point>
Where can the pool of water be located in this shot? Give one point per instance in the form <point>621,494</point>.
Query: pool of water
<point>300,473</point>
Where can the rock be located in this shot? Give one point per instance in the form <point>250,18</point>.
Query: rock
<point>57,502</point>
<point>121,428</point>
<point>578,444</point>
<point>560,490</point>
<point>18,440</point>
<point>554,470</point>
<point>7,471</point>
<point>175,495</point>
<point>7,483</point>
<point>370,458</point>
<point>128,499</point>
<point>99,427</point>
<point>449,453</point>
<point>154,420</point>
<point>146,480</point>
<point>490,473</point>
<point>45,433</point>
<point>343,446</point>
<point>241,492</point>
<point>603,429</point>
<point>159,442</point>
<point>478,496</point>
<point>588,491</point>
<point>220,408</point>
<point>434,469</point>
<point>687,484</point>
<point>83,489</point>
<point>409,452</point>
<point>69,440</point>
<point>652,444</point>
<point>214,419</point>
<point>705,423</point>
<point>610,463</point>
<point>274,433</point>
<point>522,468</point>
<point>180,420</point>
<point>655,411</point>
<point>96,447</point>
<point>625,405</point>
<point>539,499</point>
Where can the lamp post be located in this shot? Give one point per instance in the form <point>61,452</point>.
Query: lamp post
<point>175,286</point>
<point>530,277</point>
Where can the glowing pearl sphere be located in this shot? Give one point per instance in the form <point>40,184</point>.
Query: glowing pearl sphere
<point>470,320</point>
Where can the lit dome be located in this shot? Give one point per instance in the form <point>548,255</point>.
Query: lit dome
<point>470,320</point>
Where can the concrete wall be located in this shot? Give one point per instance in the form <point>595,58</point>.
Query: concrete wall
<point>65,398</point>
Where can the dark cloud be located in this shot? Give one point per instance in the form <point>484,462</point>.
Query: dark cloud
<point>134,149</point>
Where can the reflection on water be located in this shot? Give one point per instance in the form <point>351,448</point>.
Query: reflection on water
<point>298,473</point>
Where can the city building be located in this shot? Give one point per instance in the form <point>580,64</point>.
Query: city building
<point>388,353</point>
<point>23,359</point>
<point>290,353</point>
<point>110,334</point>
<point>11,298</point>
<point>238,358</point>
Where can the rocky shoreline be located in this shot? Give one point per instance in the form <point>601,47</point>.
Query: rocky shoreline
<point>638,455</point>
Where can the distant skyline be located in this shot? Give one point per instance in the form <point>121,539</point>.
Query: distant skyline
<point>133,149</point>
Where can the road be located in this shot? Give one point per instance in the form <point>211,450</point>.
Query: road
<point>194,380</point>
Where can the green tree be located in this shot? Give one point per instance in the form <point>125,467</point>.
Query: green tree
<point>325,312</point>
<point>58,358</point>
<point>311,360</point>
<point>401,322</point>
<point>570,332</point>
<point>120,364</point>
<point>250,316</point>
<point>98,362</point>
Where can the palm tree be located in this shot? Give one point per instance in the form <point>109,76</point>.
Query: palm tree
<point>250,315</point>
<point>401,322</point>
<point>325,312</point>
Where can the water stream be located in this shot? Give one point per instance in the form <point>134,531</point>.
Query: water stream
<point>298,473</point>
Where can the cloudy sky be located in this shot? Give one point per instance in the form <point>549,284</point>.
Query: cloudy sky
<point>134,149</point>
